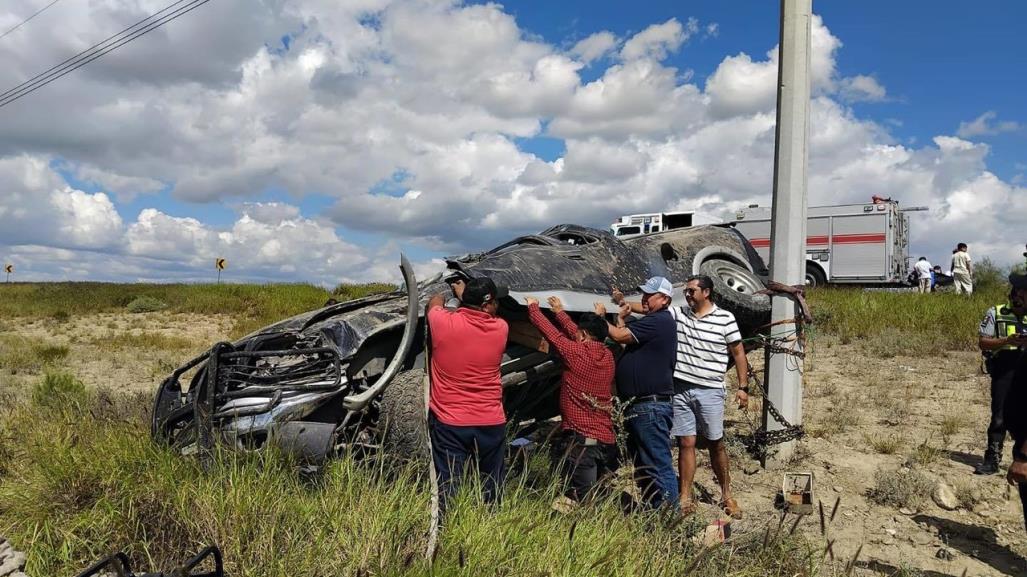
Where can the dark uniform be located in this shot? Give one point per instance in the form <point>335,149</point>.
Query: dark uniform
<point>1000,321</point>
<point>1015,410</point>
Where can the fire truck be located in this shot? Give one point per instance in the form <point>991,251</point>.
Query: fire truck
<point>847,243</point>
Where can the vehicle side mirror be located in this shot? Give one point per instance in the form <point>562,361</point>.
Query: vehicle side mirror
<point>667,252</point>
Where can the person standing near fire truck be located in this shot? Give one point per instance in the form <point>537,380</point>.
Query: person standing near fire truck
<point>962,270</point>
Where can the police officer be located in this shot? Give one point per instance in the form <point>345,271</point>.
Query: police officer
<point>1016,399</point>
<point>1002,336</point>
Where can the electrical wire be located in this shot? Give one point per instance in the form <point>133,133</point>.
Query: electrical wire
<point>94,48</point>
<point>95,51</point>
<point>110,44</point>
<point>23,22</point>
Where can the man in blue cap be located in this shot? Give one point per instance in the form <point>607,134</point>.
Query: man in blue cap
<point>645,382</point>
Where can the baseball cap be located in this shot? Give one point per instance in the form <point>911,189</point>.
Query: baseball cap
<point>1019,281</point>
<point>657,284</point>
<point>481,290</point>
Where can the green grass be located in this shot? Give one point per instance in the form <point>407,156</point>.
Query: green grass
<point>84,480</point>
<point>253,305</point>
<point>902,323</point>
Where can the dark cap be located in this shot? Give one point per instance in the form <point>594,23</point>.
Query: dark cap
<point>480,291</point>
<point>1019,281</point>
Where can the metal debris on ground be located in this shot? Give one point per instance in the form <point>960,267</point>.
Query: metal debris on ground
<point>194,567</point>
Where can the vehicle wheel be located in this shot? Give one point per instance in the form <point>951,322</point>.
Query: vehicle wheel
<point>403,410</point>
<point>814,276</point>
<point>734,288</point>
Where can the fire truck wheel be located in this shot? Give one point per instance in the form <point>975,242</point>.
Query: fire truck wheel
<point>734,288</point>
<point>814,276</point>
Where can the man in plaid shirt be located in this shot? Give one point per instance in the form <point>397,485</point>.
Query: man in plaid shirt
<point>587,447</point>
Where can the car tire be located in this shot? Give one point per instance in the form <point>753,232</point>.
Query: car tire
<point>814,276</point>
<point>734,288</point>
<point>403,411</point>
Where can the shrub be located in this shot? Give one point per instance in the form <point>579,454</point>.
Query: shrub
<point>923,455</point>
<point>885,445</point>
<point>59,392</point>
<point>902,487</point>
<point>968,494</point>
<point>988,275</point>
<point>949,426</point>
<point>146,305</point>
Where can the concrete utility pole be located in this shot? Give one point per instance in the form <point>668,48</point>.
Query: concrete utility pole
<point>788,227</point>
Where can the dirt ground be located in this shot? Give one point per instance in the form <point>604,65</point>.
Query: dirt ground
<point>857,405</point>
<point>863,413</point>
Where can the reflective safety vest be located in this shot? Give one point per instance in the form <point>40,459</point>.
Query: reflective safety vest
<point>1006,324</point>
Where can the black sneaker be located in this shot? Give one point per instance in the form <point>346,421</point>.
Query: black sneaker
<point>987,467</point>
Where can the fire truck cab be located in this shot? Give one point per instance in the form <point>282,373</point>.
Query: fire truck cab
<point>632,225</point>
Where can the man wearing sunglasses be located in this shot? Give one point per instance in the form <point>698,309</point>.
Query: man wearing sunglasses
<point>708,337</point>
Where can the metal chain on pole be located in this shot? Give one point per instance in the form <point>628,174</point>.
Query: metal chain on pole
<point>794,345</point>
<point>763,438</point>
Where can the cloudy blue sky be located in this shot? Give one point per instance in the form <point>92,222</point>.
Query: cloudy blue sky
<point>313,140</point>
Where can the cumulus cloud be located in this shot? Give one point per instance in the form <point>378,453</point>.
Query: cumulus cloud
<point>656,41</point>
<point>124,187</point>
<point>38,207</point>
<point>594,46</point>
<point>861,88</point>
<point>985,125</point>
<point>441,94</point>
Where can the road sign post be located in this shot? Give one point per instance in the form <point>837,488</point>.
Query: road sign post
<point>220,264</point>
<point>788,227</point>
<point>8,268</point>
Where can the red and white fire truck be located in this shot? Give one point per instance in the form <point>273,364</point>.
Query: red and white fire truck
<point>848,243</point>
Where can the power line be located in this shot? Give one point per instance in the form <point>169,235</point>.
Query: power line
<point>91,53</point>
<point>22,23</point>
<point>99,49</point>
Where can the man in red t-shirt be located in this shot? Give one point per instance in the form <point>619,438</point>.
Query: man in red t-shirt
<point>587,448</point>
<point>466,421</point>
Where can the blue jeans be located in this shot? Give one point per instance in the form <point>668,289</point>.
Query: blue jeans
<point>455,448</point>
<point>648,426</point>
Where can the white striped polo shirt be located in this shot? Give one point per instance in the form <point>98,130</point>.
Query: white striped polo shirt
<point>702,353</point>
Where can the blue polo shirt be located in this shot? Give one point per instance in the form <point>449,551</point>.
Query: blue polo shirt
<point>647,365</point>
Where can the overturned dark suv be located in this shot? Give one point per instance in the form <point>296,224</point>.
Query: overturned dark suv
<point>350,376</point>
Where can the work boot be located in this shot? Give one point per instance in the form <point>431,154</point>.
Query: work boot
<point>989,466</point>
